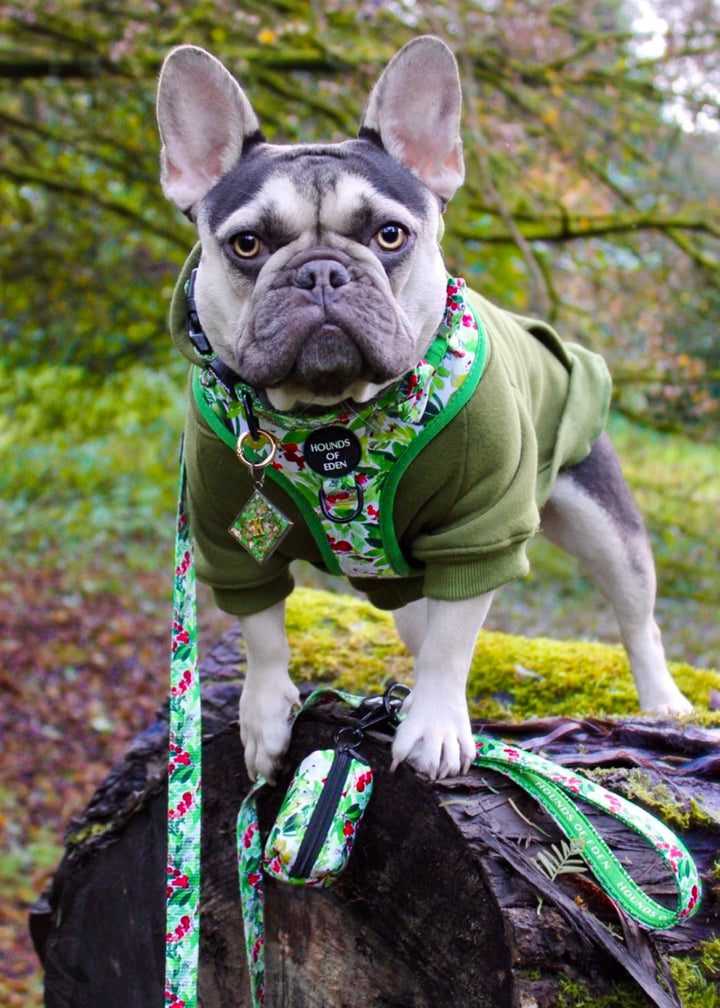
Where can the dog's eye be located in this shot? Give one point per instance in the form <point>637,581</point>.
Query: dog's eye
<point>247,245</point>
<point>391,237</point>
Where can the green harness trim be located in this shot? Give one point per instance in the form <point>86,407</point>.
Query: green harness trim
<point>351,516</point>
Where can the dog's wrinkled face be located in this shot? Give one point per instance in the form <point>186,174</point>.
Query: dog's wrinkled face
<point>320,278</point>
<point>320,275</point>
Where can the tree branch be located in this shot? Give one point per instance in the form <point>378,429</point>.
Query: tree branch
<point>74,191</point>
<point>64,69</point>
<point>565,227</point>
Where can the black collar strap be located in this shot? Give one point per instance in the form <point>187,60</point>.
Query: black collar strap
<point>195,330</point>
<point>225,374</point>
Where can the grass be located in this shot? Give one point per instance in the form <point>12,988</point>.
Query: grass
<point>87,466</point>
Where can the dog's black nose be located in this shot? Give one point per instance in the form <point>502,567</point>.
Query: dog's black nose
<point>321,276</point>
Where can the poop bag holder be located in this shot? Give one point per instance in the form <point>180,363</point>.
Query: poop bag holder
<point>312,837</point>
<point>314,832</point>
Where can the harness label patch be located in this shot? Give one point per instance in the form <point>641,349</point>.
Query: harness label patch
<point>332,451</point>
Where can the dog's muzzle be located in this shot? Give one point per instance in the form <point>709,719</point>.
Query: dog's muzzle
<point>323,323</point>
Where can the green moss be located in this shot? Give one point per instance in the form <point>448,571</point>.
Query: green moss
<point>638,785</point>
<point>344,640</point>
<point>696,982</point>
<point>710,957</point>
<point>338,639</point>
<point>86,833</point>
<point>576,995</point>
<point>698,979</point>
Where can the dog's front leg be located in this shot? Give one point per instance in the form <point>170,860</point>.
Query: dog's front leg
<point>268,696</point>
<point>436,737</point>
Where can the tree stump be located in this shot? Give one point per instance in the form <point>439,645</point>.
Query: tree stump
<point>441,904</point>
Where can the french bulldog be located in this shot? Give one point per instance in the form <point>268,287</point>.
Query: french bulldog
<point>320,285</point>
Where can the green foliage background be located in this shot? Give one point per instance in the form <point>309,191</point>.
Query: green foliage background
<point>591,164</point>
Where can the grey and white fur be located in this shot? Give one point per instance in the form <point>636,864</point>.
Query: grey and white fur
<point>321,281</point>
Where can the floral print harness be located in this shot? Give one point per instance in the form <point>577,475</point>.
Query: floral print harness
<point>342,469</point>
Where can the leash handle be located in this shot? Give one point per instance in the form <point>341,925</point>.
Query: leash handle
<point>557,789</point>
<point>184,779</point>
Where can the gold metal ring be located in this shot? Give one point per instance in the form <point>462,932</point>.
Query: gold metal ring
<point>256,444</point>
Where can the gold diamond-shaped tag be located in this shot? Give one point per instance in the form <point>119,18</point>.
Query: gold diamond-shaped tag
<point>260,527</point>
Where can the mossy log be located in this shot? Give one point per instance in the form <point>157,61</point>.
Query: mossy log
<point>442,902</point>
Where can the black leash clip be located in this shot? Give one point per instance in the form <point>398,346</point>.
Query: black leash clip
<point>381,710</point>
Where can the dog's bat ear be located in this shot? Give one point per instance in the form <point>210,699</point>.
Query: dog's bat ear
<point>204,120</point>
<point>414,110</point>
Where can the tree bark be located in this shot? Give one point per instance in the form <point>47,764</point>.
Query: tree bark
<point>441,903</point>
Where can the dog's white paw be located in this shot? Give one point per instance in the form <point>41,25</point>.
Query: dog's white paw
<point>265,726</point>
<point>675,704</point>
<point>435,738</point>
<point>659,694</point>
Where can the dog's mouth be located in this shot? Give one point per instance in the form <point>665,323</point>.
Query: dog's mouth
<point>329,360</point>
<point>327,363</point>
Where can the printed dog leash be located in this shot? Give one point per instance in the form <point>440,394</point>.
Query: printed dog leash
<point>554,787</point>
<point>184,780</point>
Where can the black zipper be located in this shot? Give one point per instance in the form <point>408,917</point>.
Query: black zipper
<point>322,816</point>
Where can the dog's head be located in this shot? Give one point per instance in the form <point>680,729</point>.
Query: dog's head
<point>320,278</point>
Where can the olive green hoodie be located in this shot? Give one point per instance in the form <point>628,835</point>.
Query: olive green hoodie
<point>467,504</point>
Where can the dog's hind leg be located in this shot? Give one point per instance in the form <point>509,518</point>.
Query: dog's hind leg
<point>591,514</point>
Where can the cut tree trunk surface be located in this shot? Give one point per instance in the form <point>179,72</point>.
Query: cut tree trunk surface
<point>442,902</point>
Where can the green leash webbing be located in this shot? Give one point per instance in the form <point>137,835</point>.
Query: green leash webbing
<point>184,781</point>
<point>554,787</point>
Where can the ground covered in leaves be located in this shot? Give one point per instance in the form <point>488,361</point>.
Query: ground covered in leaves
<point>82,669</point>
<point>81,673</point>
